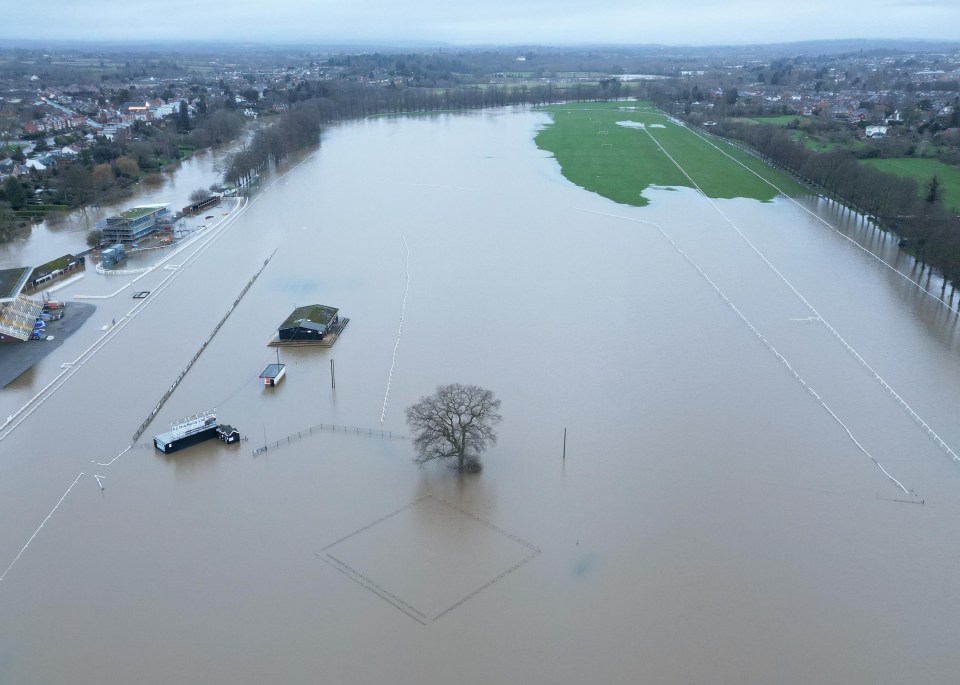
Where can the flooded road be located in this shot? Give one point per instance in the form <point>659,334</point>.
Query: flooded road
<point>744,499</point>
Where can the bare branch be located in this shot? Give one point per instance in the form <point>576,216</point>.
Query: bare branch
<point>455,421</point>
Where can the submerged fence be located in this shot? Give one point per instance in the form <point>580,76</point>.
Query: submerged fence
<point>355,430</point>
<point>183,374</point>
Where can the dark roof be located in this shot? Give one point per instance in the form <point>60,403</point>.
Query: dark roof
<point>12,281</point>
<point>271,371</point>
<point>316,314</point>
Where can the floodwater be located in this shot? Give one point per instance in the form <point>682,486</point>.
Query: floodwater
<point>46,240</point>
<point>720,516</point>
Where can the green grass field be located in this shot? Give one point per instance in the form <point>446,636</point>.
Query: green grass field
<point>782,120</point>
<point>617,162</point>
<point>922,170</point>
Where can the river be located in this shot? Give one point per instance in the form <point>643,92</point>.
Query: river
<point>744,497</point>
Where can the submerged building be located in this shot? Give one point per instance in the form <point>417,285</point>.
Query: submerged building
<point>134,224</point>
<point>187,431</point>
<point>112,255</point>
<point>310,323</point>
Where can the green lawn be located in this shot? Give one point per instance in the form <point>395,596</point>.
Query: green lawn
<point>782,120</point>
<point>619,163</point>
<point>922,170</point>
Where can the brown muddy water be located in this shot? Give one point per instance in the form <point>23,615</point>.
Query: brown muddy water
<point>48,240</point>
<point>722,370</point>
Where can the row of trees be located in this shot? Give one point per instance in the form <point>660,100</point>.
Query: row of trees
<point>10,224</point>
<point>105,171</point>
<point>318,102</point>
<point>296,129</point>
<point>916,215</point>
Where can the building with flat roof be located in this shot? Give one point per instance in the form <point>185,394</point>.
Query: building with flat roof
<point>133,224</point>
<point>311,322</point>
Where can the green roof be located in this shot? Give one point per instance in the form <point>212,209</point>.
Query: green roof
<point>138,212</point>
<point>13,280</point>
<point>314,313</point>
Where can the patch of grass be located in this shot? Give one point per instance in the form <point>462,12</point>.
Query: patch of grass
<point>922,170</point>
<point>58,263</point>
<point>137,212</point>
<point>783,120</point>
<point>37,211</point>
<point>600,155</point>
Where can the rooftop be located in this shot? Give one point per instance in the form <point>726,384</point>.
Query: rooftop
<point>311,313</point>
<point>141,210</point>
<point>12,281</point>
<point>272,371</point>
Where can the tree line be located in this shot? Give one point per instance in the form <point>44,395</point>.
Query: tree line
<point>316,103</point>
<point>929,230</point>
<point>105,171</point>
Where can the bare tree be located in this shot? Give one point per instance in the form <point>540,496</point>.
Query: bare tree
<point>455,421</point>
<point>199,195</point>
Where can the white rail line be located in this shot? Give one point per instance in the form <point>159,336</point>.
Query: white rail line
<point>39,398</point>
<point>916,417</point>
<point>824,221</point>
<point>44,394</point>
<point>24,548</point>
<point>208,237</point>
<point>396,345</point>
<point>759,336</point>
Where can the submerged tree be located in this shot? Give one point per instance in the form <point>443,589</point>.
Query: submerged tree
<point>199,195</point>
<point>456,421</point>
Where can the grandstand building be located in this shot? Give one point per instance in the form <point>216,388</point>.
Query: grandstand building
<point>18,313</point>
<point>133,224</point>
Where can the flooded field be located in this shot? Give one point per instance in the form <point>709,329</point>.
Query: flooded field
<point>755,487</point>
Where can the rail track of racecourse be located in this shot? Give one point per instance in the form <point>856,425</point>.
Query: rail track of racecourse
<point>204,241</point>
<point>815,313</point>
<point>873,255</point>
<point>886,386</point>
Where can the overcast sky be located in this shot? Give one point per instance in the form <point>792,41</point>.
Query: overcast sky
<point>470,22</point>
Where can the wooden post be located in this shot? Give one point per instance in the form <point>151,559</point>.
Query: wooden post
<point>333,376</point>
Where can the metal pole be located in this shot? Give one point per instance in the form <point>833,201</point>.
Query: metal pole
<point>564,444</point>
<point>333,376</point>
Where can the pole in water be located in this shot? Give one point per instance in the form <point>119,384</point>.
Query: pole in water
<point>333,376</point>
<point>564,444</point>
